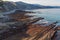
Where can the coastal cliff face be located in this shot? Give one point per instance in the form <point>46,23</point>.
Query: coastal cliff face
<point>17,5</point>
<point>9,5</point>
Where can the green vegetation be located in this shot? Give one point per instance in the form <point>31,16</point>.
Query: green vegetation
<point>2,8</point>
<point>1,3</point>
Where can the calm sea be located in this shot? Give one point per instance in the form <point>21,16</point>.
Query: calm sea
<point>51,15</point>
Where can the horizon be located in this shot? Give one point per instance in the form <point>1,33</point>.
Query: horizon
<point>41,2</point>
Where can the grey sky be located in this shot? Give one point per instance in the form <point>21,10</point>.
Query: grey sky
<point>42,2</point>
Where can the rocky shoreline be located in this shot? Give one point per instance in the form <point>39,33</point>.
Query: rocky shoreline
<point>13,23</point>
<point>18,26</point>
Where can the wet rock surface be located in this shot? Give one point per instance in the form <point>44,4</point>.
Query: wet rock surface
<point>18,26</point>
<point>12,24</point>
<point>56,36</point>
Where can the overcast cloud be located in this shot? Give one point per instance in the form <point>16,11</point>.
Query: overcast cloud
<point>42,2</point>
